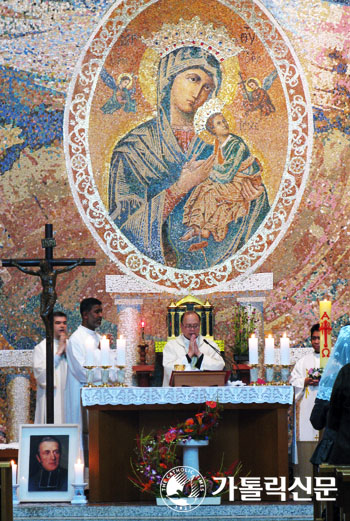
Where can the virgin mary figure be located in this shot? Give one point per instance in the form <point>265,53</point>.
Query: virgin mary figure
<point>156,166</point>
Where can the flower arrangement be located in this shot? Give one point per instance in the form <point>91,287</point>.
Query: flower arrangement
<point>156,452</point>
<point>315,373</point>
<point>244,324</point>
<point>260,381</point>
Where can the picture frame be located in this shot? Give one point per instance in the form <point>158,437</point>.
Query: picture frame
<point>46,458</point>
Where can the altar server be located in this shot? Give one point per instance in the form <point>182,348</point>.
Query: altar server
<point>306,389</point>
<point>60,370</point>
<point>82,338</point>
<point>190,349</point>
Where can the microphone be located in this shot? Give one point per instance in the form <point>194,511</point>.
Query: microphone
<point>213,347</point>
<point>233,377</point>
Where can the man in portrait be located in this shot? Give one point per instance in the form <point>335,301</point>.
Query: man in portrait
<point>45,470</point>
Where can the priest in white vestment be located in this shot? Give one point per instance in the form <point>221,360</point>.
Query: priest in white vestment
<point>306,390</point>
<point>190,349</point>
<point>60,371</point>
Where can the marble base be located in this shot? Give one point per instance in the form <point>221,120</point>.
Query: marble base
<point>148,511</point>
<point>203,502</point>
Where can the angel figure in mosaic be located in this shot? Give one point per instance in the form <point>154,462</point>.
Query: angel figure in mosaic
<point>256,95</point>
<point>225,196</point>
<point>123,92</point>
<point>156,166</point>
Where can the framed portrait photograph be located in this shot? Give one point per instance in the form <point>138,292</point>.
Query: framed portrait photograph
<point>47,454</point>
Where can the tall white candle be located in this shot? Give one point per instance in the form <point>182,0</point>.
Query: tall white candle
<point>284,350</point>
<point>253,350</point>
<point>269,358</point>
<point>105,358</point>
<point>79,472</point>
<point>14,473</point>
<point>121,344</point>
<point>89,352</point>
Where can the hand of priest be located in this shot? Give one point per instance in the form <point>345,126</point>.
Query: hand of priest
<point>62,343</point>
<point>193,349</point>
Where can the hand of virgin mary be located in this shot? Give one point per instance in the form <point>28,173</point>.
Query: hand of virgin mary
<point>193,173</point>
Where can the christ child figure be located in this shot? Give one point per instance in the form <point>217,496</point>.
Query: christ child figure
<point>235,180</point>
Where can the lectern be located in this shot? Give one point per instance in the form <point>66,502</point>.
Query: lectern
<point>198,378</point>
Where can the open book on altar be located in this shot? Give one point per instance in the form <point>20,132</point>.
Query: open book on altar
<point>198,378</point>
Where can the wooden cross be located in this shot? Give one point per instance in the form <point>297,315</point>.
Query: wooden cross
<point>48,275</point>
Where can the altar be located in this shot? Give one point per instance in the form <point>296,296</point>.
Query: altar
<point>253,429</point>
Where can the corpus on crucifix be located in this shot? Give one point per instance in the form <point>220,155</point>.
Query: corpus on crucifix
<point>48,275</point>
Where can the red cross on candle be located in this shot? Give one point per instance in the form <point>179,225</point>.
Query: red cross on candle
<point>325,328</point>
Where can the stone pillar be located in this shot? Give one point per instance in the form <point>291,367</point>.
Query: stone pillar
<point>128,321</point>
<point>17,389</point>
<point>18,393</point>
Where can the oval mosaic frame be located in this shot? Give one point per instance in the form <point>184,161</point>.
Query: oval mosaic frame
<point>88,201</point>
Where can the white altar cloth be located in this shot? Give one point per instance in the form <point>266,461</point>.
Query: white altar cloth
<point>162,395</point>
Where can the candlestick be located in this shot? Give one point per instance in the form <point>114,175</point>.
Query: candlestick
<point>284,350</point>
<point>105,375</point>
<point>14,473</point>
<point>253,350</point>
<point>105,351</point>
<point>79,472</point>
<point>15,500</point>
<point>269,373</point>
<point>89,352</point>
<point>254,372</point>
<point>79,495</point>
<point>121,344</point>
<point>121,376</point>
<point>269,358</point>
<point>285,374</point>
<point>325,332</point>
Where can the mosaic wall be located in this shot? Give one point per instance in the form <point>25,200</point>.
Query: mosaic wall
<point>65,147</point>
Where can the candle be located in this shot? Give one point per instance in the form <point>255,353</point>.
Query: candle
<point>142,330</point>
<point>89,351</point>
<point>79,472</point>
<point>284,350</point>
<point>269,350</point>
<point>105,358</point>
<point>325,332</point>
<point>121,344</point>
<point>14,473</point>
<point>253,350</point>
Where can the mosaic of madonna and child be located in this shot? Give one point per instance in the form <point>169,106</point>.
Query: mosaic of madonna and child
<point>195,126</point>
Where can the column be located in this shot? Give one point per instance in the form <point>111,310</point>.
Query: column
<point>128,321</point>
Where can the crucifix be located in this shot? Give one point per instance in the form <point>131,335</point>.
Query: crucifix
<point>48,276</point>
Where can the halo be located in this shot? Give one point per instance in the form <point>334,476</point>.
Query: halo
<point>252,79</point>
<point>148,71</point>
<point>147,75</point>
<point>208,109</point>
<point>123,75</point>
